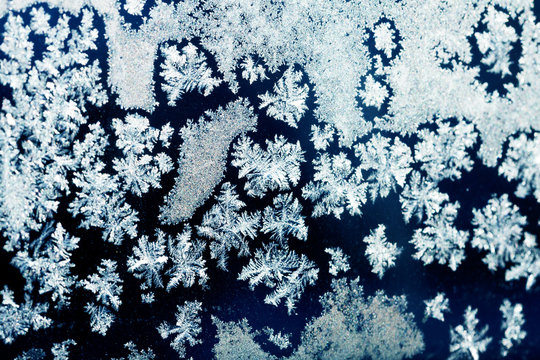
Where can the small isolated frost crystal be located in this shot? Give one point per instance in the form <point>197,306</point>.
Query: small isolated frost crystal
<point>284,218</point>
<point>440,240</point>
<point>134,7</point>
<point>374,93</point>
<point>282,341</point>
<point>421,197</point>
<point>498,229</point>
<point>496,43</point>
<point>380,253</point>
<point>288,102</point>
<point>187,259</point>
<point>281,270</point>
<point>276,168</point>
<point>522,163</point>
<point>227,227</point>
<point>384,38</point>
<point>252,71</point>
<point>387,165</point>
<point>17,319</point>
<point>135,354</point>
<point>186,329</point>
<point>466,341</point>
<point>60,351</point>
<point>338,261</point>
<point>106,285</point>
<point>436,307</point>
<point>336,186</point>
<point>513,322</point>
<point>148,260</point>
<point>185,72</point>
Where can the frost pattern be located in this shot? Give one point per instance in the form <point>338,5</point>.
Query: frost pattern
<point>387,165</point>
<point>107,287</point>
<point>466,340</point>
<point>227,227</point>
<point>380,253</point>
<point>276,168</point>
<point>436,307</point>
<point>187,258</point>
<point>184,72</point>
<point>186,328</point>
<point>281,270</point>
<point>421,197</point>
<point>336,186</point>
<point>440,240</point>
<point>339,262</point>
<point>284,219</point>
<point>498,230</point>
<point>513,322</point>
<point>288,102</point>
<point>148,261</point>
<point>522,163</point>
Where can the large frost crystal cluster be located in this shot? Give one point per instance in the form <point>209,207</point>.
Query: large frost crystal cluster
<point>156,153</point>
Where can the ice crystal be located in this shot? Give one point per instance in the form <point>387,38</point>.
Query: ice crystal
<point>384,38</point>
<point>107,287</point>
<point>282,341</point>
<point>187,258</point>
<point>336,186</point>
<point>60,351</point>
<point>338,261</point>
<point>202,158</point>
<point>526,262</point>
<point>288,102</point>
<point>186,328</point>
<point>380,253</point>
<point>443,154</point>
<point>281,270</point>
<point>440,240</point>
<point>498,230</point>
<point>148,261</point>
<point>184,72</point>
<point>466,340</point>
<point>420,197</point>
<point>374,93</point>
<point>513,321</point>
<point>134,7</point>
<point>387,165</point>
<point>252,71</point>
<point>17,319</point>
<point>227,227</point>
<point>436,307</point>
<point>522,163</point>
<point>276,168</point>
<point>284,219</point>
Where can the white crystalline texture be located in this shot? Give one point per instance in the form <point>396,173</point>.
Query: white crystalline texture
<point>288,101</point>
<point>134,7</point>
<point>148,260</point>
<point>203,154</point>
<point>436,307</point>
<point>276,168</point>
<point>513,321</point>
<point>338,261</point>
<point>498,230</point>
<point>384,38</point>
<point>185,72</point>
<point>421,197</point>
<point>186,328</point>
<point>336,186</point>
<point>380,253</point>
<point>281,270</point>
<point>522,163</point>
<point>439,240</point>
<point>227,227</point>
<point>374,93</point>
<point>465,340</point>
<point>386,165</point>
<point>187,258</point>
<point>284,219</point>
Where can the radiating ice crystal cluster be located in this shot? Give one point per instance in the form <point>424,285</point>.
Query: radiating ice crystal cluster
<point>153,152</point>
